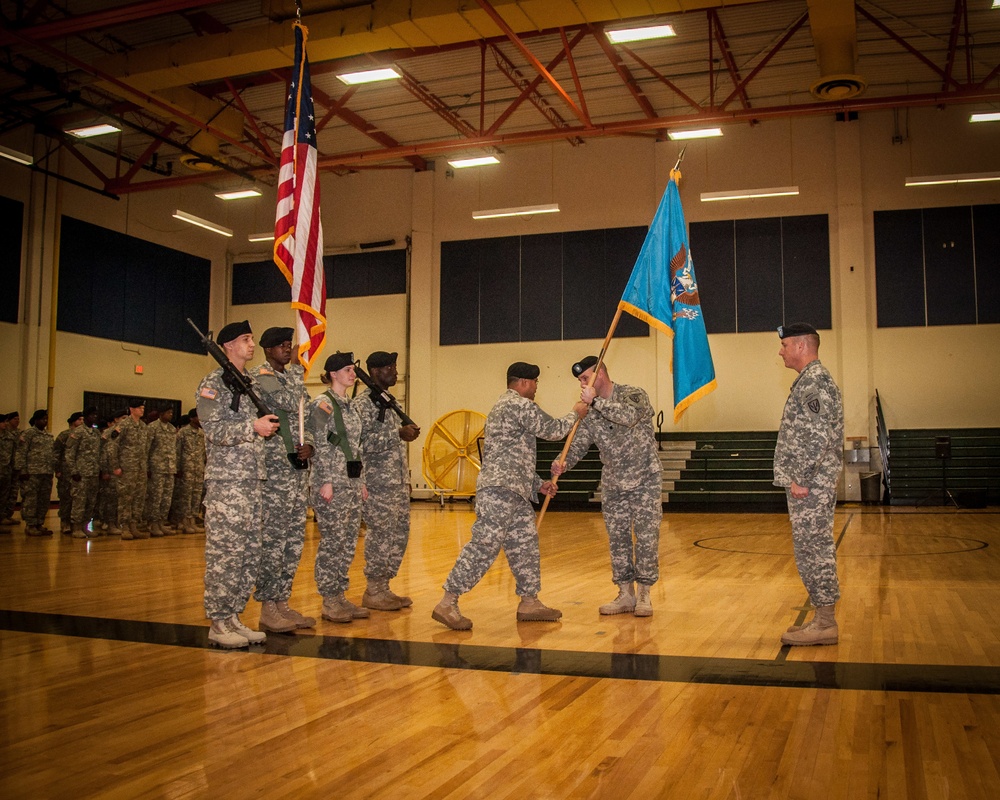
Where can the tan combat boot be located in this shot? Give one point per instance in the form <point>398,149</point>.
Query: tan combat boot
<point>531,609</point>
<point>643,605</point>
<point>623,604</point>
<point>155,530</point>
<point>271,619</point>
<point>221,636</point>
<point>187,526</point>
<point>137,532</point>
<point>300,620</point>
<point>237,627</point>
<point>446,612</point>
<point>822,629</point>
<point>335,609</point>
<point>356,611</point>
<point>114,530</point>
<point>78,532</point>
<point>404,601</point>
<point>378,597</point>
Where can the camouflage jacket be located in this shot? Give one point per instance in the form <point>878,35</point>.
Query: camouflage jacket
<point>83,452</point>
<point>35,454</point>
<point>162,447</point>
<point>191,451</point>
<point>281,392</point>
<point>59,450</point>
<point>810,449</point>
<point>512,426</point>
<point>235,449</point>
<point>385,452</point>
<point>129,445</point>
<point>8,444</point>
<point>622,428</point>
<point>329,464</point>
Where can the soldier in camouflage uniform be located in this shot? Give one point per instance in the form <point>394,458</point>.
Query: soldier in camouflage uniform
<point>234,476</point>
<point>82,464</point>
<point>337,486</point>
<point>807,462</point>
<point>505,489</point>
<point>386,512</point>
<point>285,492</point>
<point>162,461</point>
<point>107,493</point>
<point>64,487</point>
<point>7,444</point>
<point>129,461</point>
<point>34,460</point>
<point>191,452</point>
<point>621,424</point>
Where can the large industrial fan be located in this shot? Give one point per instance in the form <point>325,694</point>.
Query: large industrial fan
<point>452,454</point>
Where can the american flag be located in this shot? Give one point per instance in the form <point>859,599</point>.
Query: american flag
<point>298,232</point>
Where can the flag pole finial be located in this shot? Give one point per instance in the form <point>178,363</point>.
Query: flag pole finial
<point>675,173</point>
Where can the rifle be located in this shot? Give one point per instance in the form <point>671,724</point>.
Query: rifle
<point>233,378</point>
<point>381,397</point>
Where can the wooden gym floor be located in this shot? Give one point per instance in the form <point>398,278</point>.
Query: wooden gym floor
<point>109,689</point>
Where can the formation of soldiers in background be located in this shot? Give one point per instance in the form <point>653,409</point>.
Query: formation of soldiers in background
<point>135,475</point>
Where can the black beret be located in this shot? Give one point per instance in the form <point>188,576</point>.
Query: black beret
<point>796,329</point>
<point>3,417</point>
<point>121,412</point>
<point>234,330</point>
<point>192,413</point>
<point>583,365</point>
<point>380,358</point>
<point>338,361</point>
<point>13,414</point>
<point>272,337</point>
<point>135,402</point>
<point>74,417</point>
<point>521,369</point>
<point>165,407</point>
<point>42,412</point>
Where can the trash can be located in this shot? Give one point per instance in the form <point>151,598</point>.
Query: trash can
<point>871,488</point>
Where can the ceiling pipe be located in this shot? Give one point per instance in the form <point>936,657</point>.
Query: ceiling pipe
<point>835,36</point>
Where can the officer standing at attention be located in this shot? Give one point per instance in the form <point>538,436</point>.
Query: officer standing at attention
<point>107,494</point>
<point>82,464</point>
<point>162,462</point>
<point>234,478</point>
<point>807,462</point>
<point>191,455</point>
<point>283,390</point>
<point>34,460</point>
<point>7,445</point>
<point>621,424</point>
<point>386,512</point>
<point>64,487</point>
<point>128,457</point>
<point>505,489</point>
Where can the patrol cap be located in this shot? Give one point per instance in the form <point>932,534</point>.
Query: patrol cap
<point>135,402</point>
<point>74,417</point>
<point>42,412</point>
<point>380,358</point>
<point>583,365</point>
<point>338,361</point>
<point>796,329</point>
<point>272,337</point>
<point>234,330</point>
<point>521,369</point>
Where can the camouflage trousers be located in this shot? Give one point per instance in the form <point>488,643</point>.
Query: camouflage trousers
<point>815,550</point>
<point>190,490</point>
<point>159,492</point>
<point>232,545</point>
<point>504,520</point>
<point>84,499</point>
<point>64,491</point>
<point>8,492</point>
<point>636,512</point>
<point>339,524</point>
<point>386,513</point>
<point>35,495</point>
<point>107,500</point>
<point>284,532</point>
<point>131,495</point>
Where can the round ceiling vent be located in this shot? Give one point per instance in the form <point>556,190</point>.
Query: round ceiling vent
<point>838,87</point>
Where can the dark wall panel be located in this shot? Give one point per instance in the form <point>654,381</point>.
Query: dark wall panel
<point>621,247</point>
<point>260,282</point>
<point>11,227</point>
<point>758,277</point>
<point>583,285</point>
<point>386,271</point>
<point>949,271</point>
<point>899,268</point>
<point>500,290</point>
<point>78,271</point>
<point>805,243</point>
<point>541,287</point>
<point>459,292</point>
<point>986,221</point>
<point>713,250</point>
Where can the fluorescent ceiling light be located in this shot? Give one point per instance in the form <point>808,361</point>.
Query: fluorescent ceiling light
<point>369,76</point>
<point>640,34</point>
<point>202,223</point>
<point>699,133</point>
<point>238,194</point>
<point>266,236</point>
<point>968,177</point>
<point>986,116</point>
<point>522,211</point>
<point>996,3</point>
<point>479,161</point>
<point>93,130</point>
<point>16,155</point>
<point>749,194</point>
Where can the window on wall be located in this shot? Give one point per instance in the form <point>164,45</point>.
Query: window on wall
<point>544,287</point>
<point>938,266</point>
<point>347,275</point>
<point>115,286</point>
<point>11,225</point>
<point>756,274</point>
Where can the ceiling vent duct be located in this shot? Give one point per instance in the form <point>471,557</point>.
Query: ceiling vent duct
<point>835,36</point>
<point>206,156</point>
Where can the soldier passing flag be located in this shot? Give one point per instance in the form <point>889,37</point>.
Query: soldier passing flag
<point>298,232</point>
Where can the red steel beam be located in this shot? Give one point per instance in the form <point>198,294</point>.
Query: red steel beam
<point>662,78</point>
<point>568,50</point>
<point>714,23</point>
<point>770,54</point>
<point>624,73</point>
